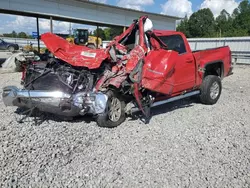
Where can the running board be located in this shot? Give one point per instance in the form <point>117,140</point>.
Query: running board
<point>158,103</point>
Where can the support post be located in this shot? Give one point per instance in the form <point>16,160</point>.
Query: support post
<point>124,28</point>
<point>38,34</point>
<point>51,24</point>
<point>97,37</point>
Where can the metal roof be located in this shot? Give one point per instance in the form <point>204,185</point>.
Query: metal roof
<point>85,12</point>
<point>134,10</point>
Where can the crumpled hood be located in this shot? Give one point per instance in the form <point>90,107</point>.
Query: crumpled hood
<point>75,55</point>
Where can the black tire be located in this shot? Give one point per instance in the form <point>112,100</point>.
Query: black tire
<point>92,46</point>
<point>210,90</point>
<point>11,48</point>
<point>104,119</point>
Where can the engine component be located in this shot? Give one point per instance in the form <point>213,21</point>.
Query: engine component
<point>58,76</point>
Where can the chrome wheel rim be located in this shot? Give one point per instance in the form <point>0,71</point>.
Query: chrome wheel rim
<point>214,90</point>
<point>115,110</point>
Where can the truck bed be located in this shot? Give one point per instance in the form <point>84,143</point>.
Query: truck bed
<point>212,55</point>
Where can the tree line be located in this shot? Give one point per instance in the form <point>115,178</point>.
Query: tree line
<point>14,34</point>
<point>104,34</point>
<point>107,33</point>
<point>203,23</point>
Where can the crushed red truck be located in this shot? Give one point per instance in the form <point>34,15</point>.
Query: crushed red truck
<point>140,69</point>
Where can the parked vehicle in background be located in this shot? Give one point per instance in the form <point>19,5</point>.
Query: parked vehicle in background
<point>81,37</point>
<point>139,69</point>
<point>8,46</point>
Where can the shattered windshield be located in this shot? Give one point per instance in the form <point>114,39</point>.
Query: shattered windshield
<point>130,40</point>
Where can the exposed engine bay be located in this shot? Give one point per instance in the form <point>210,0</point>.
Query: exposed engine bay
<point>58,75</point>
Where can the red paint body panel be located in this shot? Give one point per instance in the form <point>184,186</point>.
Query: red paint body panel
<point>185,75</point>
<point>205,57</point>
<point>135,55</point>
<point>158,71</point>
<point>73,54</point>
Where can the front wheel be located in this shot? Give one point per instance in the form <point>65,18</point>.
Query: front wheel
<point>210,89</point>
<point>114,114</point>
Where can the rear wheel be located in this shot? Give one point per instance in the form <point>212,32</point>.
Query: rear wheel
<point>114,114</point>
<point>210,89</point>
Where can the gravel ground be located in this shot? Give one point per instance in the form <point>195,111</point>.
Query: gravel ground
<point>186,144</point>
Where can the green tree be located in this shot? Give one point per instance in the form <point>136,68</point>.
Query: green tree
<point>14,34</point>
<point>235,13</point>
<point>110,32</point>
<point>184,27</point>
<point>202,23</point>
<point>6,34</point>
<point>107,33</point>
<point>22,35</point>
<point>241,21</point>
<point>223,24</point>
<point>100,33</point>
<point>115,31</point>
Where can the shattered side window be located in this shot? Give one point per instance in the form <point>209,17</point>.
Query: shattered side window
<point>130,39</point>
<point>174,42</point>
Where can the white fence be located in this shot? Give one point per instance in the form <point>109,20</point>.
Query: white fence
<point>240,46</point>
<point>23,42</point>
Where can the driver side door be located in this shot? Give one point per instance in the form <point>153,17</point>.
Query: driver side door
<point>184,71</point>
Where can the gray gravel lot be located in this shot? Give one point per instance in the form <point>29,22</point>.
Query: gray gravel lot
<point>186,144</point>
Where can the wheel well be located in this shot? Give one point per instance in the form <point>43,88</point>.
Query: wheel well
<point>215,68</point>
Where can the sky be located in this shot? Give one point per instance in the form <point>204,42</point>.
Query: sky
<point>178,8</point>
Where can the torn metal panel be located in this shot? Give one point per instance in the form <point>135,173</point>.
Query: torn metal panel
<point>75,55</point>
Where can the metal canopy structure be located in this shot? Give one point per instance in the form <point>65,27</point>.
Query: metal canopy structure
<point>84,12</point>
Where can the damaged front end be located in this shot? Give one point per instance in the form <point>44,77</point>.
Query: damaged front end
<point>59,88</point>
<point>80,80</point>
<point>56,102</point>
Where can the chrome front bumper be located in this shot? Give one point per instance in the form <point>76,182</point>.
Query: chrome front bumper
<point>56,102</point>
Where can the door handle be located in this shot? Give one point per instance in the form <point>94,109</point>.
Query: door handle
<point>189,60</point>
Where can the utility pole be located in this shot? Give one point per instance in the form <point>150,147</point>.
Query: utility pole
<point>51,24</point>
<point>97,37</point>
<point>70,29</point>
<point>38,34</point>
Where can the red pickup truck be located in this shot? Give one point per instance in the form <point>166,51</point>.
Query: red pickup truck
<point>138,70</point>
